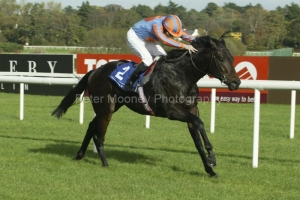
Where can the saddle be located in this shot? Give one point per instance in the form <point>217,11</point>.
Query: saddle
<point>123,72</point>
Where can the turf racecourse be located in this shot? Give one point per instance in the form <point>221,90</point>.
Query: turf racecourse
<point>36,155</point>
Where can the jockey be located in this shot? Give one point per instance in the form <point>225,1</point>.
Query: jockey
<point>142,40</point>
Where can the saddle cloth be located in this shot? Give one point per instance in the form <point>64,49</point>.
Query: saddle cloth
<point>123,72</point>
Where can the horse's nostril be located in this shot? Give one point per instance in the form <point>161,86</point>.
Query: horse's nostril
<point>237,82</point>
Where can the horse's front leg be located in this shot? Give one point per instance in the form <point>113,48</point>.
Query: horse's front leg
<point>211,159</point>
<point>100,149</point>
<point>198,144</point>
<point>195,125</point>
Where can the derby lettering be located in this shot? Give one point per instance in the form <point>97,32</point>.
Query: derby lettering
<point>31,66</point>
<point>12,65</point>
<point>52,65</point>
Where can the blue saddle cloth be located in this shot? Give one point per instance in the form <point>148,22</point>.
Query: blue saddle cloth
<point>123,72</point>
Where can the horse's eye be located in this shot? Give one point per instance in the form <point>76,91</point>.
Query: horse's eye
<point>221,59</point>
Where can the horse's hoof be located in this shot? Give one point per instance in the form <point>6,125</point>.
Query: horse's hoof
<point>214,176</point>
<point>79,156</point>
<point>211,161</point>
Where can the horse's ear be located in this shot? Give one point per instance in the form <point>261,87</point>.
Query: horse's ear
<point>224,35</point>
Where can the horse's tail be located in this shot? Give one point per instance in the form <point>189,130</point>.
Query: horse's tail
<point>72,95</point>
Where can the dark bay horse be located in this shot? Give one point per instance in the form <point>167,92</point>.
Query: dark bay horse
<point>174,76</point>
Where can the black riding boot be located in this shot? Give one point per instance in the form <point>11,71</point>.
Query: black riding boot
<point>140,68</point>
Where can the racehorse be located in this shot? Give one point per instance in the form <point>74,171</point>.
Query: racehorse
<point>174,76</point>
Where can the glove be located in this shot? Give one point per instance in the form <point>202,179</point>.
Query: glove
<point>190,48</point>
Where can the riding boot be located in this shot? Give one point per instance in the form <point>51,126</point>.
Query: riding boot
<point>140,68</point>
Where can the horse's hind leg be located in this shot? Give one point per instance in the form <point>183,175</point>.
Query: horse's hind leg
<point>96,130</point>
<point>99,137</point>
<point>87,138</point>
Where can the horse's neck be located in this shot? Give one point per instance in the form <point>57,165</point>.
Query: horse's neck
<point>179,75</point>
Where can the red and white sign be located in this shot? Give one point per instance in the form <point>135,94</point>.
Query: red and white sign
<point>87,62</point>
<point>248,68</point>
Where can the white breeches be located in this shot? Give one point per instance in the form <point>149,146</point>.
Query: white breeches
<point>143,49</point>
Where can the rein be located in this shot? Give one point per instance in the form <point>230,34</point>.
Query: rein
<point>177,59</point>
<point>213,59</point>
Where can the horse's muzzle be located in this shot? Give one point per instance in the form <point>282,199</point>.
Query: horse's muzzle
<point>234,84</point>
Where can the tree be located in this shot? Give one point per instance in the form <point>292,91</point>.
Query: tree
<point>143,11</point>
<point>293,34</point>
<point>225,17</point>
<point>9,20</point>
<point>276,30</point>
<point>160,9</point>
<point>210,8</point>
<point>233,6</point>
<point>83,12</point>
<point>194,19</point>
<point>69,10</point>
<point>97,18</point>
<point>292,12</point>
<point>254,19</point>
<point>172,7</point>
<point>125,19</point>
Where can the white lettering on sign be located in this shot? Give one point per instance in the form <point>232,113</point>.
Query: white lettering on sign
<point>94,63</point>
<point>244,99</point>
<point>2,88</point>
<point>236,99</point>
<point>12,65</point>
<point>90,63</point>
<point>52,65</point>
<point>225,99</point>
<point>31,66</point>
<point>250,99</point>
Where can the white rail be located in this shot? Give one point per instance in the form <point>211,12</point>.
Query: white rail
<point>38,74</point>
<point>257,85</point>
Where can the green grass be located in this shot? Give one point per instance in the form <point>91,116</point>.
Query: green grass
<point>37,155</point>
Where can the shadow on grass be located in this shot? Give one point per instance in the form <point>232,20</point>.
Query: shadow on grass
<point>119,153</point>
<point>38,139</point>
<point>70,150</point>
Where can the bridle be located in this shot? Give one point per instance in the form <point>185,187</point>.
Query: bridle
<point>221,76</point>
<point>213,58</point>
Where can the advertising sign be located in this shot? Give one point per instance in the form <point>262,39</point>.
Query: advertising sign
<point>248,68</point>
<point>34,63</point>
<point>87,62</point>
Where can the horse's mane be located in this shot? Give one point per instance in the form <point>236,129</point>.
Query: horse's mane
<point>175,54</point>
<point>200,43</point>
<point>204,44</point>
